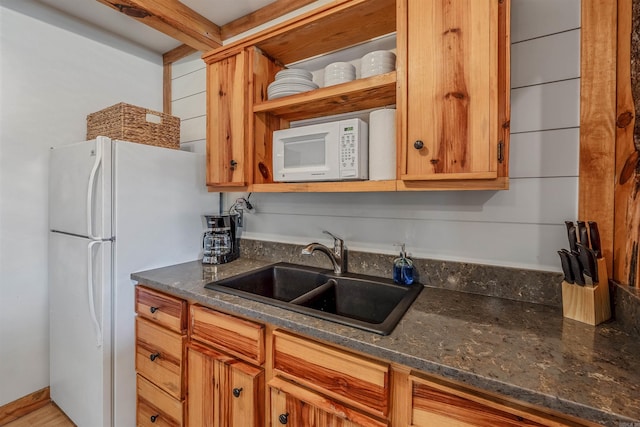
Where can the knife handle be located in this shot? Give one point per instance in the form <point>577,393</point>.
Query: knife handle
<point>583,233</point>
<point>576,267</point>
<point>588,262</point>
<point>566,266</point>
<point>571,234</point>
<point>595,238</point>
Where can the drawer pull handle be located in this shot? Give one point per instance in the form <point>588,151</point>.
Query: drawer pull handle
<point>283,418</point>
<point>418,145</point>
<point>153,309</point>
<point>237,391</point>
<point>154,418</point>
<point>154,356</point>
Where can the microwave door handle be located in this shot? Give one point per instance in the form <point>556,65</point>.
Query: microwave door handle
<point>92,303</point>
<point>90,193</point>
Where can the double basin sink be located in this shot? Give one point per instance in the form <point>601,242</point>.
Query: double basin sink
<point>370,303</point>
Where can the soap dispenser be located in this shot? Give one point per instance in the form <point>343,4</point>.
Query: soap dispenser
<point>403,267</point>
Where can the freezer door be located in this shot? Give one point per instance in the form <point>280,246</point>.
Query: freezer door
<point>80,188</point>
<point>80,331</point>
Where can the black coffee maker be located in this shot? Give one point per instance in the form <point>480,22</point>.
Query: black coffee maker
<point>221,242</point>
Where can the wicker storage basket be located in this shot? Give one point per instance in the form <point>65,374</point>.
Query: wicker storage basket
<point>135,124</point>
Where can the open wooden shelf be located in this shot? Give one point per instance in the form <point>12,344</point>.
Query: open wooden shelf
<point>337,25</point>
<point>361,94</point>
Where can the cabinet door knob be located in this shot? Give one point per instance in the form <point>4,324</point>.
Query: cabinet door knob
<point>154,418</point>
<point>237,391</point>
<point>283,418</point>
<point>154,356</point>
<point>233,164</point>
<point>153,309</point>
<point>418,145</point>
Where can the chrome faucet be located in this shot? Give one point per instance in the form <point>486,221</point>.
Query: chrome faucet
<point>337,256</point>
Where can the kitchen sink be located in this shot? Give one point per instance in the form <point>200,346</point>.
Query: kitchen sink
<point>370,303</point>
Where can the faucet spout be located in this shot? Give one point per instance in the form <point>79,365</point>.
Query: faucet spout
<point>337,255</point>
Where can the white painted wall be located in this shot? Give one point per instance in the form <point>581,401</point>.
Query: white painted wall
<point>522,227</point>
<point>53,72</point>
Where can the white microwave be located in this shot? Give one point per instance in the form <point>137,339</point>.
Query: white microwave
<point>334,151</point>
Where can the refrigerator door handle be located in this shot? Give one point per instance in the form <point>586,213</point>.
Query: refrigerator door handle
<point>92,308</point>
<point>92,179</point>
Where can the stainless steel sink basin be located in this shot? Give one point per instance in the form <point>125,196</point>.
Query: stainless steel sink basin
<point>366,302</point>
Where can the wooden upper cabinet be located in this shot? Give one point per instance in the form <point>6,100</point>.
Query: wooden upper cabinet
<point>457,82</point>
<point>450,88</point>
<point>227,81</point>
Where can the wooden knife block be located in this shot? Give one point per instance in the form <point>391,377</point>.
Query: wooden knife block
<point>590,303</point>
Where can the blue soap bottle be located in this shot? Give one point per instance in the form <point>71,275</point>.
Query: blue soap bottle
<point>403,268</point>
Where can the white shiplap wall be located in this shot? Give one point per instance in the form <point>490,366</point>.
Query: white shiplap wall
<point>54,70</point>
<point>522,227</point>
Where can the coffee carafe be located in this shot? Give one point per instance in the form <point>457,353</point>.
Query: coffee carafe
<point>220,242</point>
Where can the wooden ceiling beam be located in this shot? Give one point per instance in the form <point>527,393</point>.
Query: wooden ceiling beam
<point>172,18</point>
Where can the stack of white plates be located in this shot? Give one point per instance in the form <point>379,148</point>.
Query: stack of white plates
<point>291,81</point>
<point>339,72</point>
<point>377,62</point>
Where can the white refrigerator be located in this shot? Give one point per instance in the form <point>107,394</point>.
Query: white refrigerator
<point>115,207</point>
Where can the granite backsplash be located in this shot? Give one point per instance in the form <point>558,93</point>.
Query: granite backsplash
<point>539,287</point>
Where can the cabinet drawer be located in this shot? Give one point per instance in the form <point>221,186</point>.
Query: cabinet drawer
<point>361,382</point>
<point>157,408</point>
<point>434,404</point>
<point>160,356</point>
<point>165,310</point>
<point>299,407</point>
<point>241,338</point>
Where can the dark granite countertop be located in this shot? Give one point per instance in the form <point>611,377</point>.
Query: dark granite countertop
<point>522,350</point>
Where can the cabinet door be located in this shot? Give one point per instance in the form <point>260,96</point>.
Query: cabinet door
<point>222,391</point>
<point>226,121</point>
<point>295,406</point>
<point>244,391</point>
<point>452,99</point>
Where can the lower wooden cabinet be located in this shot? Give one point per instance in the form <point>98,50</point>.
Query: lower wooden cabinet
<point>230,360</point>
<point>223,391</point>
<point>296,406</point>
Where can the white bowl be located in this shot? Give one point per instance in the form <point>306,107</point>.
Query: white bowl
<point>370,73</point>
<point>294,72</point>
<point>364,63</point>
<point>339,75</point>
<point>342,66</point>
<point>379,54</point>
<point>332,82</point>
<point>387,67</point>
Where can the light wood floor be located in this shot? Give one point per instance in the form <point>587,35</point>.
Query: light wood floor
<point>47,416</point>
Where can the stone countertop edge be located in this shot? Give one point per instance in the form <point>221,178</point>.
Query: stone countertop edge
<point>525,351</point>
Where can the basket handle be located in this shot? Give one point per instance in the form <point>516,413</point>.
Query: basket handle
<point>153,118</point>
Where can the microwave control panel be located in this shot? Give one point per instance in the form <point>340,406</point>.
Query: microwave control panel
<point>352,149</point>
<point>347,152</point>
